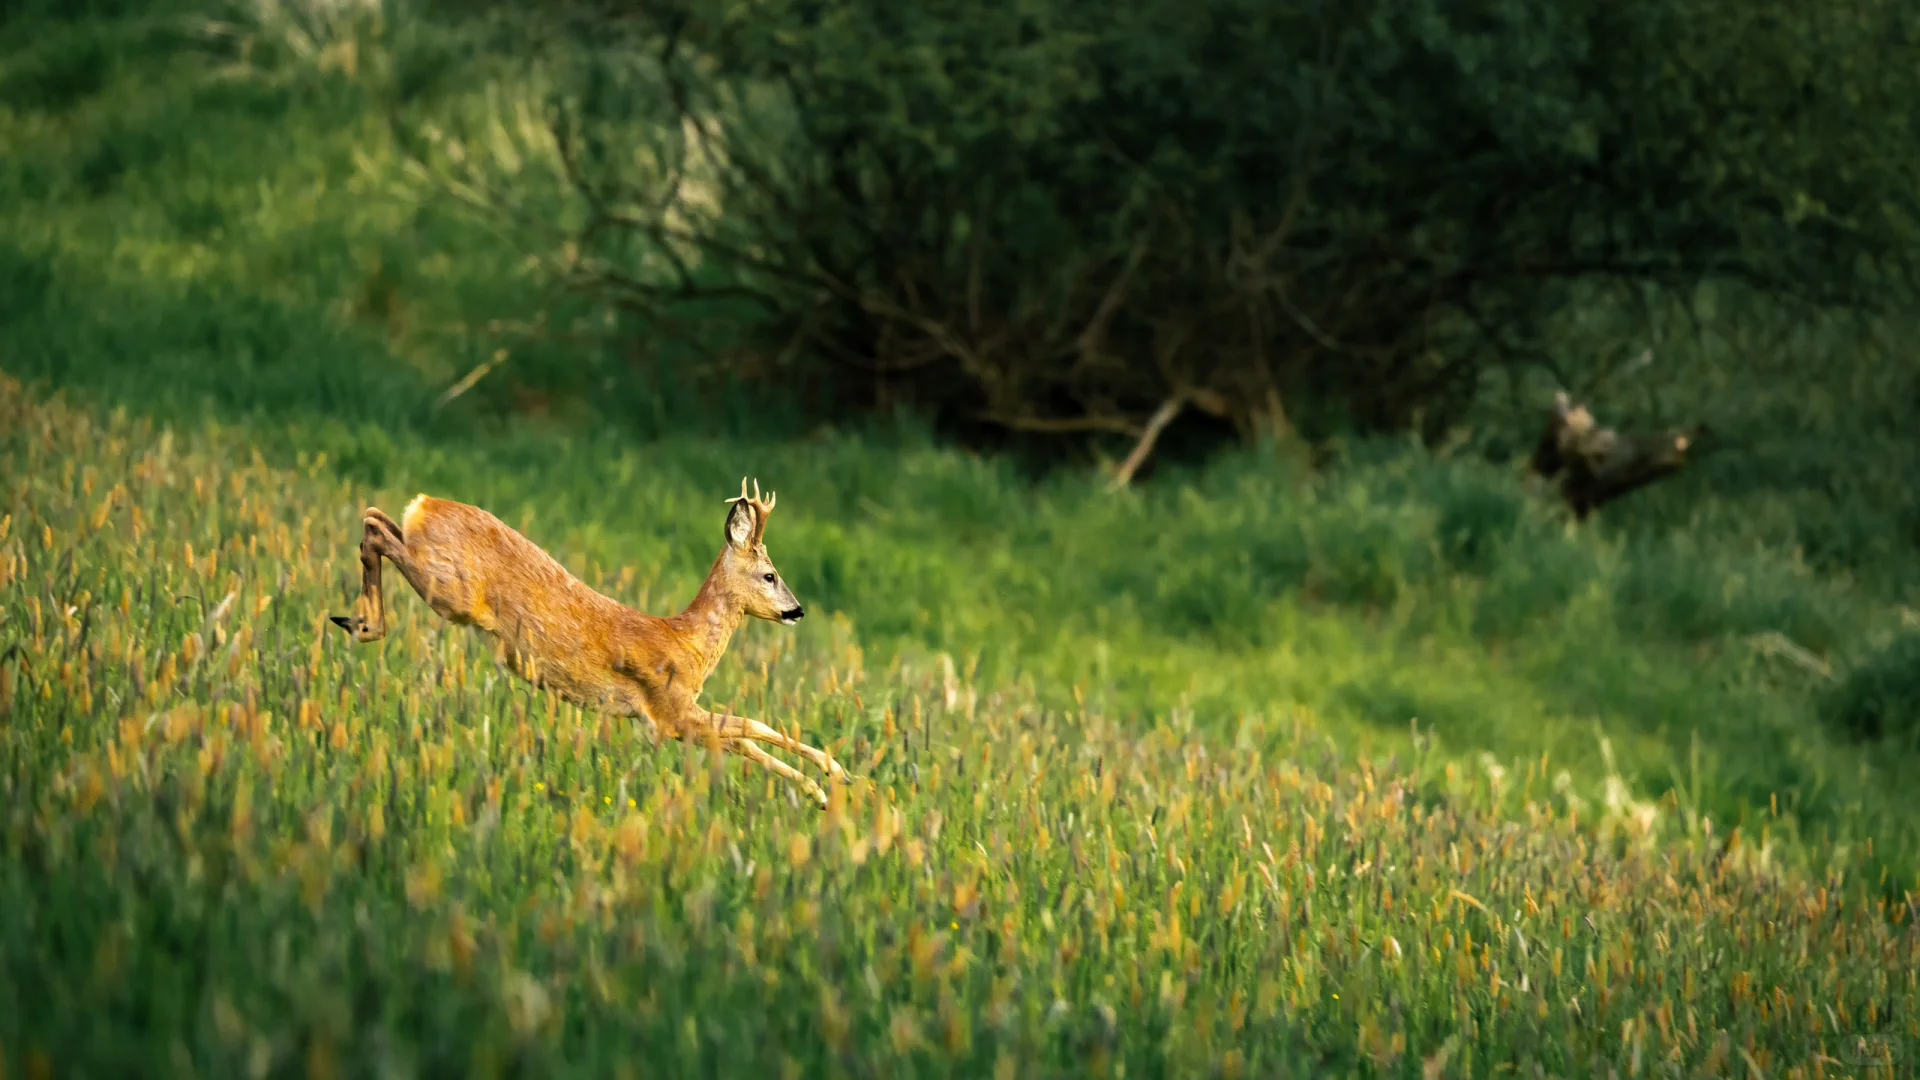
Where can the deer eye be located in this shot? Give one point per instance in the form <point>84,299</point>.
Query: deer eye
<point>766,577</point>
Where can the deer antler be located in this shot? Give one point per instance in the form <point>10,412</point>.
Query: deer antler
<point>754,499</point>
<point>763,509</point>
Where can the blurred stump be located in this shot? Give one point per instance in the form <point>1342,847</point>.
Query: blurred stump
<point>1596,465</point>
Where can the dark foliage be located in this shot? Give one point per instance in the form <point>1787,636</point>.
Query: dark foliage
<point>1063,218</point>
<point>1880,697</point>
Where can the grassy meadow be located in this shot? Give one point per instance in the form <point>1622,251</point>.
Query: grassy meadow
<point>1379,770</point>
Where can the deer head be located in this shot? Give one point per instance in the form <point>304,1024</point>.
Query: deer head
<point>750,577</point>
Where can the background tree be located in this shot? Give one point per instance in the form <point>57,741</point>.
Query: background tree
<point>1057,218</point>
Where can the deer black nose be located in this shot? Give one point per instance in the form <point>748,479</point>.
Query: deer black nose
<point>793,614</point>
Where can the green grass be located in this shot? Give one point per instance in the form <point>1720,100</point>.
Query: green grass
<point>1517,794</point>
<point>238,843</point>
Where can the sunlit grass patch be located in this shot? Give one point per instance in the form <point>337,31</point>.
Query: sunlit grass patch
<point>235,840</point>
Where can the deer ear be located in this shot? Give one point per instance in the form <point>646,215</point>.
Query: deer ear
<point>740,524</point>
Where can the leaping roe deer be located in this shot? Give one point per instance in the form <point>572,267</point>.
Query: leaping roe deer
<point>552,631</point>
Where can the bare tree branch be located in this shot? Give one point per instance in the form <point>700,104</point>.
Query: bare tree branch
<point>1164,415</point>
<point>1066,425</point>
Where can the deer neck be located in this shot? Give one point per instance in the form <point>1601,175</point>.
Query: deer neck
<point>709,622</point>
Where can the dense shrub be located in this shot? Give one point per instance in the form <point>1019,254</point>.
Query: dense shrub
<point>1880,697</point>
<point>1060,218</point>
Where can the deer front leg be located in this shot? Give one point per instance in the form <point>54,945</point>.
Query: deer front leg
<point>741,727</point>
<point>753,753</point>
<point>381,539</point>
<point>732,733</point>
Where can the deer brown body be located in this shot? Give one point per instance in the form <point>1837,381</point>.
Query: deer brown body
<point>552,630</point>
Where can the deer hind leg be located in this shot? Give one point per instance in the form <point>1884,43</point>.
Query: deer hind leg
<point>381,540</point>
